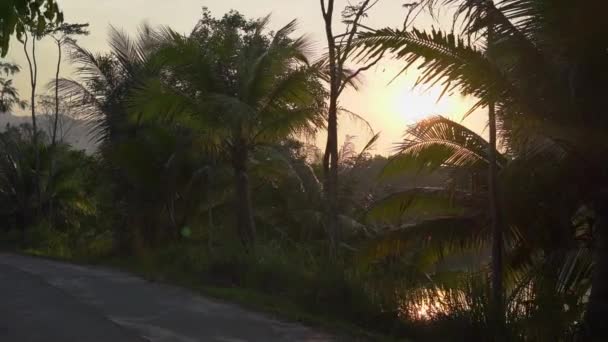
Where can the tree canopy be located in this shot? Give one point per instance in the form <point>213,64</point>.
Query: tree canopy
<point>14,13</point>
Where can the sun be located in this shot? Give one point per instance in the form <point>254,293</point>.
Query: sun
<point>390,104</point>
<point>419,103</point>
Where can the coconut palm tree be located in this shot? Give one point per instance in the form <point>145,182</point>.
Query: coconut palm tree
<point>432,145</point>
<point>539,266</point>
<point>544,76</point>
<point>104,81</point>
<point>99,92</point>
<point>240,88</point>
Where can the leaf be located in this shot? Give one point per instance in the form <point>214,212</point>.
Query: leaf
<point>439,142</point>
<point>439,236</point>
<point>417,204</point>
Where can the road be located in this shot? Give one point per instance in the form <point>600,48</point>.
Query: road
<point>42,300</point>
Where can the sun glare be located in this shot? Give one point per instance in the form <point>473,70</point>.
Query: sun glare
<point>415,103</point>
<point>390,105</point>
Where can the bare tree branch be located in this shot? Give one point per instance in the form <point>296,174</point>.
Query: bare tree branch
<point>359,71</point>
<point>364,7</point>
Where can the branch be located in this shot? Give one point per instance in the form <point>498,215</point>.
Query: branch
<point>358,72</point>
<point>27,56</point>
<point>327,11</point>
<point>365,6</point>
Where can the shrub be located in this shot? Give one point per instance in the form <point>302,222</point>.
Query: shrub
<point>42,239</point>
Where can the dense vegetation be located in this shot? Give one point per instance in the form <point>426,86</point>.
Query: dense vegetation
<point>204,176</point>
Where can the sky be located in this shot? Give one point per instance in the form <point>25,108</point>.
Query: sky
<point>388,105</point>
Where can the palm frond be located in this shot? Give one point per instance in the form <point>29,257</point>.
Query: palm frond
<point>445,60</point>
<point>418,204</point>
<point>297,168</point>
<point>300,121</point>
<point>436,142</point>
<point>9,68</point>
<point>439,236</point>
<point>90,66</point>
<point>357,118</point>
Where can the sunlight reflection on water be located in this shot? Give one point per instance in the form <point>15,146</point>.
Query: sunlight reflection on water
<point>427,304</point>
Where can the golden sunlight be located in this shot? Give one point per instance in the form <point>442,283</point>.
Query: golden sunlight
<point>391,105</point>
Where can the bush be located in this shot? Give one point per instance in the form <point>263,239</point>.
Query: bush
<point>94,246</point>
<point>42,239</point>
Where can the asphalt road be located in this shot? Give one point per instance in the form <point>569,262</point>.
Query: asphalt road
<point>42,300</point>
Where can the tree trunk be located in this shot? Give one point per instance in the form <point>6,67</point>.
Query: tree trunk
<point>596,328</point>
<point>498,304</point>
<point>34,82</point>
<point>331,179</point>
<point>54,138</point>
<point>33,68</point>
<point>330,160</point>
<point>244,210</point>
<point>497,229</point>
<point>56,117</point>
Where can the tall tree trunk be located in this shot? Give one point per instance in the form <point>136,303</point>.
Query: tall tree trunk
<point>54,137</point>
<point>596,328</point>
<point>56,117</point>
<point>497,228</point>
<point>331,179</point>
<point>330,160</point>
<point>33,68</point>
<point>498,304</point>
<point>243,205</point>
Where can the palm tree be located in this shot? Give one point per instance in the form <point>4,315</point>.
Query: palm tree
<point>239,93</point>
<point>9,95</point>
<point>538,267</point>
<point>439,144</point>
<point>544,76</point>
<point>100,93</point>
<point>102,87</point>
<point>295,201</point>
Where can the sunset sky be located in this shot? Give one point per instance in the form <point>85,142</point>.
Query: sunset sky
<point>388,107</point>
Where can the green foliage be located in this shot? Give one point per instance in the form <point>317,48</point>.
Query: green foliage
<point>15,14</point>
<point>9,95</point>
<point>236,88</point>
<point>66,186</point>
<point>43,240</point>
<point>237,100</point>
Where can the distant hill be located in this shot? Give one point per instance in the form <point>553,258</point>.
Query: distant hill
<point>75,132</point>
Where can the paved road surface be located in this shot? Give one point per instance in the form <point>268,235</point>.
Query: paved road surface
<point>49,301</point>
